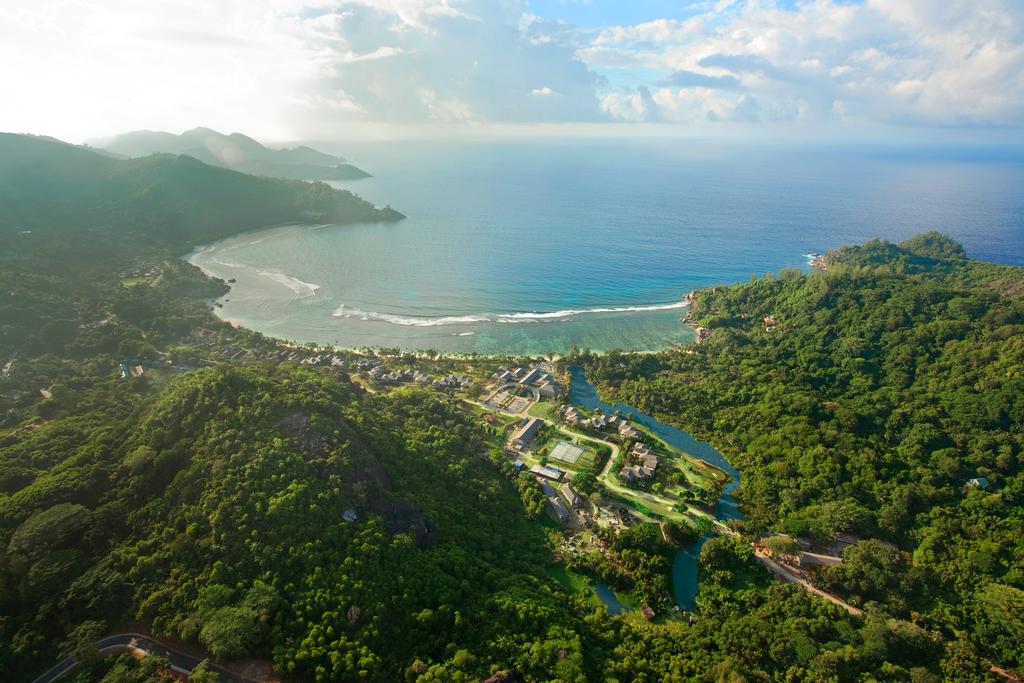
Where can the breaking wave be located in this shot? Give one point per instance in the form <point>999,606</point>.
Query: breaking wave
<point>293,283</point>
<point>298,287</point>
<point>511,318</point>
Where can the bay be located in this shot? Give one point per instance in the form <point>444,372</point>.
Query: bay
<point>533,247</point>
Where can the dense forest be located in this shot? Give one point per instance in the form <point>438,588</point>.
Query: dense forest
<point>215,513</point>
<point>864,399</point>
<point>280,512</point>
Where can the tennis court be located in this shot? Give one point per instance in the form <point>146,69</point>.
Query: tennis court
<point>567,452</point>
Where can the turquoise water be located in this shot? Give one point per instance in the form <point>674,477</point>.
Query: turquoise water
<point>684,565</point>
<point>534,247</point>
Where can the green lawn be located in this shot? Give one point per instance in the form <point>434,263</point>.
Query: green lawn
<point>544,409</point>
<point>568,579</point>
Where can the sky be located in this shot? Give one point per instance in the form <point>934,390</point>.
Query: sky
<point>842,70</point>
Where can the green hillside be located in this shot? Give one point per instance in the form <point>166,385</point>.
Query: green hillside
<point>864,399</point>
<point>216,514</point>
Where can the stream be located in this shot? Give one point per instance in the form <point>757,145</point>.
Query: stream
<point>684,566</point>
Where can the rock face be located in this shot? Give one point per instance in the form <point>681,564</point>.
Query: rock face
<point>401,517</point>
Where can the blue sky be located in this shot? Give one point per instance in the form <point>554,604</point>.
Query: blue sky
<point>928,70</point>
<point>600,13</point>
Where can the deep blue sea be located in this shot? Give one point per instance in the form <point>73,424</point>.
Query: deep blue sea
<point>532,247</point>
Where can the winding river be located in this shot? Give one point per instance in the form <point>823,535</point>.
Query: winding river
<point>684,566</point>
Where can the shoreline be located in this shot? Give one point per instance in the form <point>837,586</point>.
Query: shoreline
<point>688,319</point>
<point>685,302</point>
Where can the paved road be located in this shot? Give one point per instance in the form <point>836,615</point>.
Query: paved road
<point>131,642</point>
<point>606,477</point>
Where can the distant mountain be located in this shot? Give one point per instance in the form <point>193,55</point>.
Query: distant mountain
<point>235,151</point>
<point>54,188</point>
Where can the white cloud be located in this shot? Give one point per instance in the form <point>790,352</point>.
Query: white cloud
<point>452,110</point>
<point>657,31</point>
<point>304,68</point>
<point>912,61</point>
<point>382,52</point>
<point>625,106</point>
<point>282,68</point>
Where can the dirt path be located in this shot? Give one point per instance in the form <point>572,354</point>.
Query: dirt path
<point>788,576</point>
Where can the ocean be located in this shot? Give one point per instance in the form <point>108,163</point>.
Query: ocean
<point>533,247</point>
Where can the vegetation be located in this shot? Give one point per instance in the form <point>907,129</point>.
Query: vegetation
<point>281,512</point>
<point>862,399</point>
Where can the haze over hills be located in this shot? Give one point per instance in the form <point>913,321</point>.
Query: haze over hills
<point>48,185</point>
<point>235,151</point>
<point>71,218</point>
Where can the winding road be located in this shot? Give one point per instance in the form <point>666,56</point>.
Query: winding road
<point>137,642</point>
<point>779,571</point>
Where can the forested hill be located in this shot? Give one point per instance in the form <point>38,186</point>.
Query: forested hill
<point>284,514</point>
<point>53,188</point>
<point>864,399</point>
<point>74,223</point>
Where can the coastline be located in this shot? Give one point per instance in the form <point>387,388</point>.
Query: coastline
<point>414,321</point>
<point>688,319</point>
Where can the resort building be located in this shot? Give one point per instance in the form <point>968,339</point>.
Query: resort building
<point>629,431</point>
<point>570,415</point>
<point>570,496</point>
<point>522,437</point>
<point>546,472</point>
<point>561,512</point>
<point>452,382</point>
<point>548,388</point>
<point>534,377</point>
<point>601,422</point>
<point>530,377</point>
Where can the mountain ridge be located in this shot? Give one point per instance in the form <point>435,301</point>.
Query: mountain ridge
<point>235,151</point>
